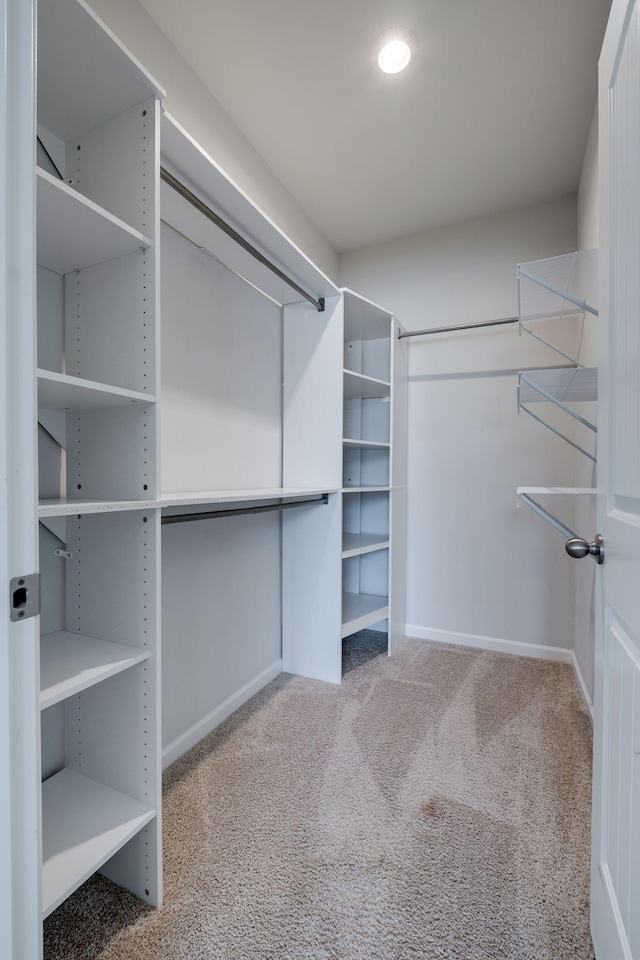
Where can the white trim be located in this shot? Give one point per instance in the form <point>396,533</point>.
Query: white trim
<point>204,727</point>
<point>582,686</point>
<point>514,647</point>
<point>607,928</point>
<point>478,642</point>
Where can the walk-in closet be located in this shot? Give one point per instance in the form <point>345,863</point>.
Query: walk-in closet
<point>319,470</point>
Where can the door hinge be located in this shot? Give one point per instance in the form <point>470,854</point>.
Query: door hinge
<point>24,596</point>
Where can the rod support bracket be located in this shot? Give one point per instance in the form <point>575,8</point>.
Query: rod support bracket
<point>320,304</point>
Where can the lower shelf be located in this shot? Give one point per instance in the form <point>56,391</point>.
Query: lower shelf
<point>83,824</point>
<point>70,663</point>
<point>359,610</point>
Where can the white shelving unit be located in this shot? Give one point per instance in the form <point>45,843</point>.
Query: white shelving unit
<point>97,271</point>
<point>310,436</point>
<point>345,382</point>
<point>373,466</point>
<point>556,296</point>
<point>101,502</point>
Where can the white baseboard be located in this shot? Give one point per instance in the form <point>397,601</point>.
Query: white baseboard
<point>204,727</point>
<point>478,642</point>
<point>582,687</point>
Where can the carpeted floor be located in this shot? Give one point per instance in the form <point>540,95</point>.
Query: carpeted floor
<point>433,807</point>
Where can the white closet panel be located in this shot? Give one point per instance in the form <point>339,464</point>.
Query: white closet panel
<point>221,375</point>
<point>50,319</point>
<point>221,618</point>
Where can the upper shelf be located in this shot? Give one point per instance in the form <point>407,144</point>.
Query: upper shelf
<point>65,508</point>
<point>364,319</point>
<point>73,232</point>
<point>85,75</point>
<point>558,288</point>
<point>189,163</point>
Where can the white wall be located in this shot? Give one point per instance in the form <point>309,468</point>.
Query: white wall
<point>476,565</point>
<point>193,106</point>
<point>588,233</point>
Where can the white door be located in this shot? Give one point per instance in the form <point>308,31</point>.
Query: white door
<point>615,879</point>
<point>20,855</point>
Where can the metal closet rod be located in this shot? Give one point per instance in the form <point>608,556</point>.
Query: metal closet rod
<point>237,237</point>
<point>463,326</point>
<point>240,511</point>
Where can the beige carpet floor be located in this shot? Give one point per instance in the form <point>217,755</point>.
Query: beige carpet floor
<point>434,806</point>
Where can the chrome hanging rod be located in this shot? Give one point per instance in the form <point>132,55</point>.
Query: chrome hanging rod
<point>240,511</point>
<point>464,326</point>
<point>237,237</point>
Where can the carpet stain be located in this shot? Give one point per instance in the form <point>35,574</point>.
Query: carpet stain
<point>429,810</point>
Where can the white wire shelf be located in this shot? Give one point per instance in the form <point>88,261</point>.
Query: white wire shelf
<point>561,387</point>
<point>558,288</point>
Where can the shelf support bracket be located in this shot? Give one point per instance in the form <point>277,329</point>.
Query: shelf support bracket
<point>549,517</point>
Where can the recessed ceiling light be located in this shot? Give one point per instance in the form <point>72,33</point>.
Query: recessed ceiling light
<point>394,56</point>
<point>394,49</point>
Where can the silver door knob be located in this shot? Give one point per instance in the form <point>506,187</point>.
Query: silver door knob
<point>578,548</point>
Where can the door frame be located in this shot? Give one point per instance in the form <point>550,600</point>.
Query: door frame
<point>20,841</point>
